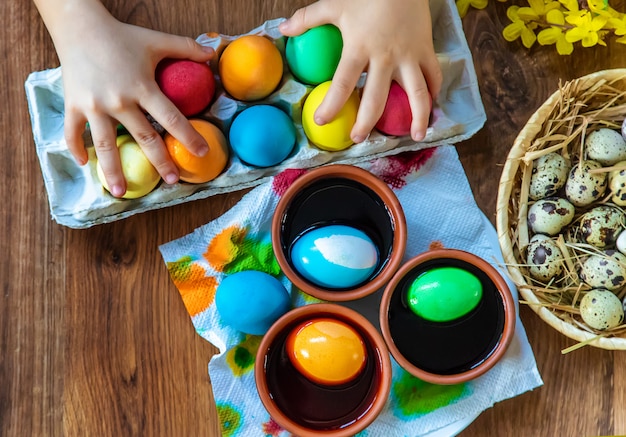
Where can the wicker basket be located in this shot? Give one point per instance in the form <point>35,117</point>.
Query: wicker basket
<point>560,124</point>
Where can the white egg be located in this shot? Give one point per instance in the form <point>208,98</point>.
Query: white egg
<point>582,187</point>
<point>620,243</point>
<point>601,309</point>
<point>548,216</point>
<point>606,146</point>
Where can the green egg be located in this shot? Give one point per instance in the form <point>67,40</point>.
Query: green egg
<point>444,294</point>
<point>313,56</point>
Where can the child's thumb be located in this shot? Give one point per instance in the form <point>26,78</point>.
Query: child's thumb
<point>306,18</point>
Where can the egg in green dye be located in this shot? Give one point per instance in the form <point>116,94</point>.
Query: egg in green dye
<point>444,294</point>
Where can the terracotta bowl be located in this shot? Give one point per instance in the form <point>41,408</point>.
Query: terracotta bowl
<point>308,409</point>
<point>346,195</point>
<point>455,351</point>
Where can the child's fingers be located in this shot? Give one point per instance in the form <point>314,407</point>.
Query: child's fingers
<point>415,86</point>
<point>103,133</point>
<point>182,47</point>
<point>343,84</point>
<point>151,143</point>
<point>306,18</point>
<point>433,75</point>
<point>373,100</point>
<point>74,126</point>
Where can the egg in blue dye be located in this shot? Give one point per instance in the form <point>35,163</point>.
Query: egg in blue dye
<point>262,135</point>
<point>251,301</point>
<point>335,256</point>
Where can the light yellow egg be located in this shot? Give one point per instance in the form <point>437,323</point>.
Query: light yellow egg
<point>141,176</point>
<point>335,135</point>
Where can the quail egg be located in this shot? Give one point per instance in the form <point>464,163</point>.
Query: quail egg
<point>617,184</point>
<point>548,216</point>
<point>606,270</point>
<point>606,146</point>
<point>624,129</point>
<point>601,225</point>
<point>548,176</point>
<point>582,187</point>
<point>543,258</point>
<point>601,309</point>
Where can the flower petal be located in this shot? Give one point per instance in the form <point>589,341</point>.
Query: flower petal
<point>528,37</point>
<point>555,16</point>
<point>549,36</point>
<point>513,31</point>
<point>575,34</point>
<point>527,14</point>
<point>564,47</point>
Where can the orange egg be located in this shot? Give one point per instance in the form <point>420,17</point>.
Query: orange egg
<point>326,351</point>
<point>251,67</point>
<point>196,169</point>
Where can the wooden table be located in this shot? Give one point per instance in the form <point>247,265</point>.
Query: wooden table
<point>94,337</point>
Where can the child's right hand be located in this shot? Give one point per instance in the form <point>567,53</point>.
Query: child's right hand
<point>109,78</point>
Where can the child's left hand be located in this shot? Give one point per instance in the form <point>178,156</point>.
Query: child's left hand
<point>391,40</point>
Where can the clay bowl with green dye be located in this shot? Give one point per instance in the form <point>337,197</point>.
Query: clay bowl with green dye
<point>447,316</point>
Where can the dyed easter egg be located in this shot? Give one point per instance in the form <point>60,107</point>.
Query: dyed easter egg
<point>335,256</point>
<point>251,301</point>
<point>326,351</point>
<point>251,67</point>
<point>314,55</point>
<point>189,85</point>
<point>444,294</point>
<point>334,135</point>
<point>262,135</point>
<point>141,176</point>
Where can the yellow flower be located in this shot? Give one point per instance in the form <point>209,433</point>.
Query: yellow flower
<point>463,5</point>
<point>554,34</point>
<point>587,28</point>
<point>618,25</point>
<point>518,29</point>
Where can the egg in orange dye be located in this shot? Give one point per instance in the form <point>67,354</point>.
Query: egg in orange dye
<point>326,351</point>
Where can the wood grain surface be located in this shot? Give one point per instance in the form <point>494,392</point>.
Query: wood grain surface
<point>94,338</point>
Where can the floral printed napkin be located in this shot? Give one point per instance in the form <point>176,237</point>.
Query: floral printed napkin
<point>440,211</point>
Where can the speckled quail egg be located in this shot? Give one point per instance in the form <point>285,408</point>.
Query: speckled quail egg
<point>617,184</point>
<point>606,270</point>
<point>549,175</point>
<point>606,146</point>
<point>548,216</point>
<point>543,258</point>
<point>601,309</point>
<point>624,129</point>
<point>601,225</point>
<point>582,187</point>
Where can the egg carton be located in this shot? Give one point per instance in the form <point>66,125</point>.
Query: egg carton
<point>78,200</point>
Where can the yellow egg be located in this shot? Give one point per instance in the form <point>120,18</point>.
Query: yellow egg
<point>326,351</point>
<point>141,176</point>
<point>335,135</point>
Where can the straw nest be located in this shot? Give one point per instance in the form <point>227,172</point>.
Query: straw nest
<point>560,125</point>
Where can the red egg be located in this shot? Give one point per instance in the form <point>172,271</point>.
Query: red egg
<point>396,118</point>
<point>189,85</point>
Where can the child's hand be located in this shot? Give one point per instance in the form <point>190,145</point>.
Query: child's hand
<point>109,78</point>
<point>392,40</point>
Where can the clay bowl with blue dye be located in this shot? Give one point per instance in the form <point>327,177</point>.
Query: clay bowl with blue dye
<point>339,233</point>
<point>447,316</point>
<point>323,369</point>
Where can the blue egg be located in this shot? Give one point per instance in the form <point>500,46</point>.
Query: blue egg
<point>251,301</point>
<point>262,135</point>
<point>335,256</point>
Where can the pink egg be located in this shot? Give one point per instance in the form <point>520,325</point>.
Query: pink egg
<point>397,117</point>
